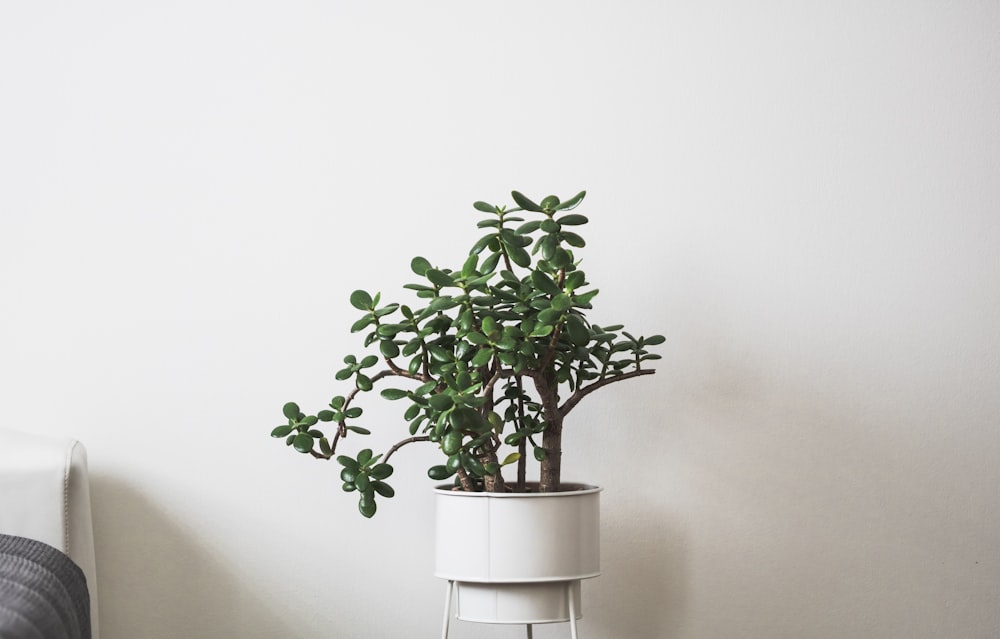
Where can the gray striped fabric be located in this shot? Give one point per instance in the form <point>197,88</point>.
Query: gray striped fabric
<point>43,594</point>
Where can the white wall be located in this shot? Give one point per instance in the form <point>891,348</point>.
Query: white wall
<point>803,196</point>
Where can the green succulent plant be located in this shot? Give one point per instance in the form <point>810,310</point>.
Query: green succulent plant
<point>488,362</point>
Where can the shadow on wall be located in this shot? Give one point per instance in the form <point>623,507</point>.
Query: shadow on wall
<point>642,590</point>
<point>156,582</point>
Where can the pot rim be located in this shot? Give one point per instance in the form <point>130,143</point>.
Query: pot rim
<point>569,489</point>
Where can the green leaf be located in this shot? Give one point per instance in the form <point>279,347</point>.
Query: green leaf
<point>369,361</point>
<point>573,219</point>
<point>578,333</point>
<point>482,358</point>
<point>549,202</point>
<point>411,412</point>
<point>325,415</point>
<point>439,354</point>
<point>561,302</point>
<point>441,402</point>
<point>550,226</point>
<point>490,263</point>
<point>303,442</point>
<point>549,316</point>
<point>415,363</point>
<point>381,471</point>
<point>419,265</point>
<point>388,348</point>
<point>364,382</point>
<point>539,453</point>
<point>385,330</point>
<point>366,505</point>
<point>572,202</point>
<point>528,227</point>
<point>291,410</point>
<point>361,300</point>
<point>439,472</point>
<point>469,268</point>
<point>547,246</point>
<point>518,255</point>
<point>426,387</point>
<point>510,459</point>
<point>451,443</point>
<point>439,278</point>
<point>573,239</point>
<point>489,325</point>
<point>393,393</point>
<point>484,207</point>
<point>365,456</point>
<point>362,323</point>
<point>281,431</point>
<point>525,203</point>
<point>542,330</point>
<point>475,466</point>
<point>583,300</point>
<point>477,339</point>
<point>655,340</point>
<point>575,280</point>
<point>384,489</point>
<point>386,310</point>
<point>363,482</point>
<point>359,430</point>
<point>442,303</point>
<point>347,462</point>
<point>513,439</point>
<point>544,283</point>
<point>481,243</point>
<point>561,258</point>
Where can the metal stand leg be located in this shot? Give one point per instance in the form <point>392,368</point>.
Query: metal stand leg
<point>572,610</point>
<point>529,631</point>
<point>447,608</point>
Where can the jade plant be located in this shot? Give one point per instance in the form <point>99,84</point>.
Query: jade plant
<point>488,362</point>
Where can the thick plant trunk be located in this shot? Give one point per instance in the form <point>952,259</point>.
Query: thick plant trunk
<point>551,466</point>
<point>551,469</point>
<point>492,483</point>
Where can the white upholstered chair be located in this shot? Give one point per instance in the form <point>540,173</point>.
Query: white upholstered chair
<point>45,495</point>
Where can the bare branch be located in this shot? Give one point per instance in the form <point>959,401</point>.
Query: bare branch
<point>409,440</point>
<point>500,374</point>
<point>583,392</point>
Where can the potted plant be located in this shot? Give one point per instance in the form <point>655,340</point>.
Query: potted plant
<point>489,361</point>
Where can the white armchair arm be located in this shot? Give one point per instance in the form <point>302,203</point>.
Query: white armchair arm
<point>45,495</point>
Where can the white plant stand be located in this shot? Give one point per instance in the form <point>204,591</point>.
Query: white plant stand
<point>517,558</point>
<point>571,594</point>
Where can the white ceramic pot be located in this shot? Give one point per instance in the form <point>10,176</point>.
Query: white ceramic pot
<point>518,557</point>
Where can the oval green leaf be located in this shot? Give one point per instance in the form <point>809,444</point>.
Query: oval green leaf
<point>290,410</point>
<point>419,265</point>
<point>281,431</point>
<point>524,202</point>
<point>361,300</point>
<point>303,442</point>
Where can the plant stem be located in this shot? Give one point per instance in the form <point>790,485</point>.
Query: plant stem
<point>551,467</point>
<point>583,392</point>
<point>400,444</point>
